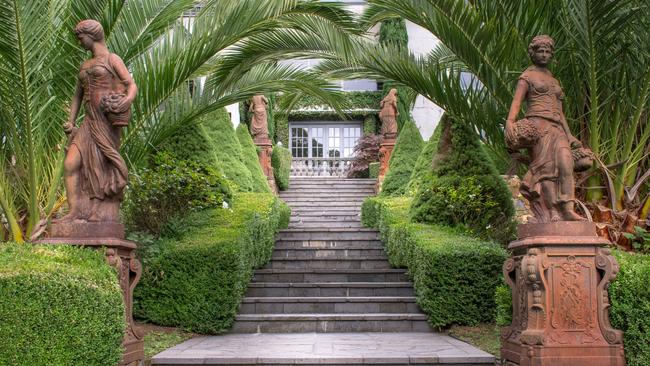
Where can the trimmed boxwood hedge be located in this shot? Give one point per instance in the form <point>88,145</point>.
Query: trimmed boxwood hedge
<point>281,162</point>
<point>424,164</point>
<point>197,281</point>
<point>59,305</point>
<point>407,149</point>
<point>251,160</point>
<point>630,306</point>
<point>454,275</point>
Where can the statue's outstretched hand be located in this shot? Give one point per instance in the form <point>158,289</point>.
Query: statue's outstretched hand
<point>68,127</point>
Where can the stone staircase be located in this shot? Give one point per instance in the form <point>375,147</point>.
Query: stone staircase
<point>328,297</point>
<point>328,273</point>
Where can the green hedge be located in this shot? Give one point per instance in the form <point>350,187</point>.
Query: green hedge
<point>226,146</point>
<point>630,306</point>
<point>464,188</point>
<point>281,162</point>
<point>424,164</point>
<point>251,160</point>
<point>59,305</point>
<point>196,281</point>
<point>373,169</point>
<point>407,149</point>
<point>455,276</point>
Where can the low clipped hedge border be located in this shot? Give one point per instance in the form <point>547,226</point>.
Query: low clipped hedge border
<point>630,306</point>
<point>59,305</point>
<point>455,276</point>
<point>196,282</point>
<point>281,162</point>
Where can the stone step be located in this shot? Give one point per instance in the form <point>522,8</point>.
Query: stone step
<point>329,234</point>
<point>353,214</point>
<point>329,244</point>
<point>258,289</point>
<point>323,194</point>
<point>325,224</point>
<point>327,180</point>
<point>316,253</point>
<point>316,217</point>
<point>330,275</point>
<point>332,263</point>
<point>330,323</point>
<point>318,199</point>
<point>325,206</point>
<point>329,305</point>
<point>311,349</point>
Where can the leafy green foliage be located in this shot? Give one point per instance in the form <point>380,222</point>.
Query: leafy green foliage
<point>281,162</point>
<point>282,128</point>
<point>170,188</point>
<point>455,276</point>
<point>196,281</point>
<point>640,239</point>
<point>393,31</point>
<point>630,310</point>
<point>366,152</point>
<point>370,125</point>
<point>424,164</point>
<point>503,296</point>
<point>59,305</point>
<point>251,160</point>
<point>191,143</point>
<point>465,189</point>
<point>403,159</point>
<point>226,146</point>
<point>373,169</point>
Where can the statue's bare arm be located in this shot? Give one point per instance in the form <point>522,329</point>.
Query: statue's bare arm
<point>74,108</point>
<point>126,78</point>
<point>515,107</point>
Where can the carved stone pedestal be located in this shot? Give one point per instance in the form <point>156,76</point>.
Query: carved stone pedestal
<point>559,274</point>
<point>120,254</point>
<point>265,152</point>
<point>385,151</point>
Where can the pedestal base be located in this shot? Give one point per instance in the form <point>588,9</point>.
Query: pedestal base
<point>265,153</point>
<point>385,152</point>
<point>559,274</point>
<point>120,254</point>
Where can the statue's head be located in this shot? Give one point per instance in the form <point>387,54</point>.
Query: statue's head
<point>393,92</point>
<point>88,32</point>
<point>541,50</point>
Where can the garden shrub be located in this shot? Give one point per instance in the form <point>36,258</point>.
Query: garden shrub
<point>59,305</point>
<point>196,281</point>
<point>407,149</point>
<point>373,169</point>
<point>226,146</point>
<point>424,164</point>
<point>251,160</point>
<point>281,162</point>
<point>192,143</point>
<point>366,152</point>
<point>464,188</point>
<point>630,310</point>
<point>630,306</point>
<point>169,188</point>
<point>454,275</point>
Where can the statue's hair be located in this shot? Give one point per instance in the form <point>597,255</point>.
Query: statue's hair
<point>537,42</point>
<point>90,27</point>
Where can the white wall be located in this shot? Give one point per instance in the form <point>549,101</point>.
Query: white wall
<point>425,113</point>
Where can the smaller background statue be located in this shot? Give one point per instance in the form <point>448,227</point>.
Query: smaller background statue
<point>259,123</point>
<point>388,115</point>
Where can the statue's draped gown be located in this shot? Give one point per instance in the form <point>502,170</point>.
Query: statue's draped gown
<point>259,125</point>
<point>388,115</point>
<point>103,171</point>
<point>544,101</point>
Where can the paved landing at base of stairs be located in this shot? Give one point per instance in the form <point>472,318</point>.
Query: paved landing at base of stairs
<point>325,349</point>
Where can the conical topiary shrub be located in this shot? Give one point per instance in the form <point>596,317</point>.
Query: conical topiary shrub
<point>407,149</point>
<point>219,129</point>
<point>192,143</point>
<point>424,164</point>
<point>251,160</point>
<point>464,188</point>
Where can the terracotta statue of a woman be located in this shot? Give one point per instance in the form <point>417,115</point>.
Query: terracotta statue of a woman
<point>388,114</point>
<point>95,173</point>
<point>548,185</point>
<point>259,124</point>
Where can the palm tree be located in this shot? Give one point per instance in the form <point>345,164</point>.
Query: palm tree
<point>234,46</point>
<point>601,60</point>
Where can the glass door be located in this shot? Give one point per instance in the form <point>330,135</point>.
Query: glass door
<point>323,141</point>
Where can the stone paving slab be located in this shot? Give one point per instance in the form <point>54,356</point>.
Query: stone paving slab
<point>324,349</point>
